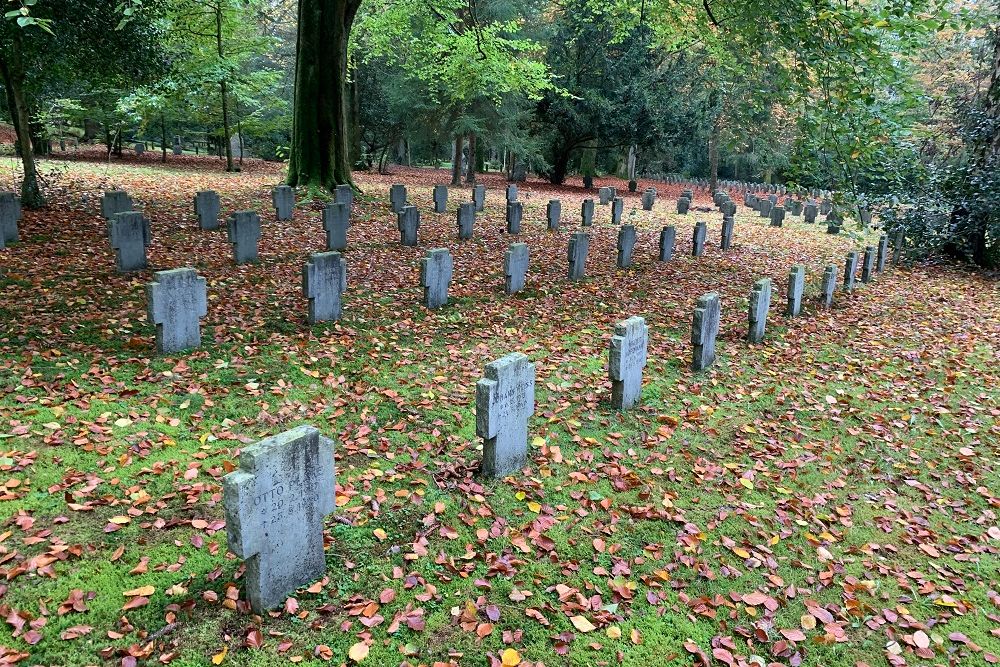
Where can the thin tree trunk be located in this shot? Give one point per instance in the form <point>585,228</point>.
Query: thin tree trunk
<point>456,160</point>
<point>14,77</point>
<point>470,173</point>
<point>163,138</point>
<point>226,133</point>
<point>320,151</point>
<point>713,156</point>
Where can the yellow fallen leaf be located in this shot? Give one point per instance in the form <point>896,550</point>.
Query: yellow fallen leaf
<point>358,652</point>
<point>741,552</point>
<point>744,482</point>
<point>380,534</point>
<point>582,624</point>
<point>807,621</point>
<point>120,520</point>
<point>534,507</point>
<point>510,658</point>
<point>144,591</point>
<point>220,656</point>
<point>537,441</point>
<point>614,632</point>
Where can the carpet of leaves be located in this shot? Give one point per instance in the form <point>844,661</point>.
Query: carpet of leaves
<point>829,497</point>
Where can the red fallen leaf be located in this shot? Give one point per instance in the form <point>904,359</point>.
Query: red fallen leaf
<point>32,637</point>
<point>755,598</point>
<point>135,603</point>
<point>255,639</point>
<point>691,647</point>
<point>991,658</point>
<point>722,655</point>
<point>75,632</point>
<point>323,651</point>
<point>387,596</point>
<point>793,635</point>
<point>74,602</point>
<point>958,637</point>
<point>484,630</point>
<point>291,605</point>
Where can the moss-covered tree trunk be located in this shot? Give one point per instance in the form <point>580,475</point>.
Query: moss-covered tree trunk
<point>321,136</point>
<point>12,70</point>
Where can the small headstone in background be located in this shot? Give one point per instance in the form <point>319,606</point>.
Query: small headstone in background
<point>435,277</point>
<point>765,208</point>
<point>324,281</point>
<point>617,208</point>
<point>668,236</point>
<point>704,329</point>
<point>883,253</point>
<point>828,286</point>
<point>811,211</point>
<point>243,230</point>
<point>336,221</point>
<point>505,399</point>
<point>479,196</point>
<point>760,304</point>
<point>897,247</point>
<point>605,195</point>
<point>275,504</point>
<point>728,224</point>
<point>833,222</point>
<point>587,213</point>
<point>553,211</point>
<point>283,198</point>
<point>825,207</point>
<point>698,239</point>
<point>466,220</point>
<point>868,265</point>
<point>344,194</point>
<point>777,216</point>
<point>648,199</point>
<point>850,271</point>
<point>626,359</point>
<point>773,199</point>
<point>397,197</point>
<point>114,202</point>
<point>796,286</point>
<point>515,267</point>
<point>515,211</point>
<point>683,204</point>
<point>10,214</point>
<point>579,244</point>
<point>689,195</point>
<point>129,235</point>
<point>511,193</point>
<point>408,223</point>
<point>207,207</point>
<point>440,198</point>
<point>633,185</point>
<point>796,209</point>
<point>176,301</point>
<point>626,246</point>
<point>139,148</point>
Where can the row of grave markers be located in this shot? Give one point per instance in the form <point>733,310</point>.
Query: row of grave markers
<point>276,501</point>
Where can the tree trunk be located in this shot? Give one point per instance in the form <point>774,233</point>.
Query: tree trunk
<point>456,160</point>
<point>713,156</point>
<point>470,173</point>
<point>14,77</point>
<point>320,150</point>
<point>226,132</point>
<point>559,168</point>
<point>354,120</point>
<point>163,138</point>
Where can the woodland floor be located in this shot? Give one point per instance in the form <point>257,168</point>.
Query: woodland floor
<point>829,497</point>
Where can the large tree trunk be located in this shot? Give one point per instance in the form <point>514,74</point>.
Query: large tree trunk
<point>12,69</point>
<point>320,151</point>
<point>456,160</point>
<point>470,173</point>
<point>560,165</point>
<point>989,156</point>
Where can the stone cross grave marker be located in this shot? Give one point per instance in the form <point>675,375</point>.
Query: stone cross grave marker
<point>243,230</point>
<point>617,208</point>
<point>440,198</point>
<point>515,267</point>
<point>114,202</point>
<point>683,204</point>
<point>587,213</point>
<point>850,271</point>
<point>668,236</point>
<point>626,359</point>
<point>336,221</point>
<point>324,281</point>
<point>704,329</point>
<point>777,216</point>
<point>515,211</point>
<point>10,214</point>
<point>810,213</point>
<point>505,400</point>
<point>796,286</point>
<point>604,194</point>
<point>466,220</point>
<point>397,197</point>
<point>129,235</point>
<point>883,253</point>
<point>275,505</point>
<point>479,197</point>
<point>344,194</point>
<point>626,246</point>
<point>176,301</point>
<point>760,304</point>
<point>579,244</point>
<point>553,211</point>
<point>868,265</point>
<point>648,199</point>
<point>511,193</point>
<point>435,277</point>
<point>408,224</point>
<point>698,239</point>
<point>283,198</point>
<point>207,207</point>
<point>828,286</point>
